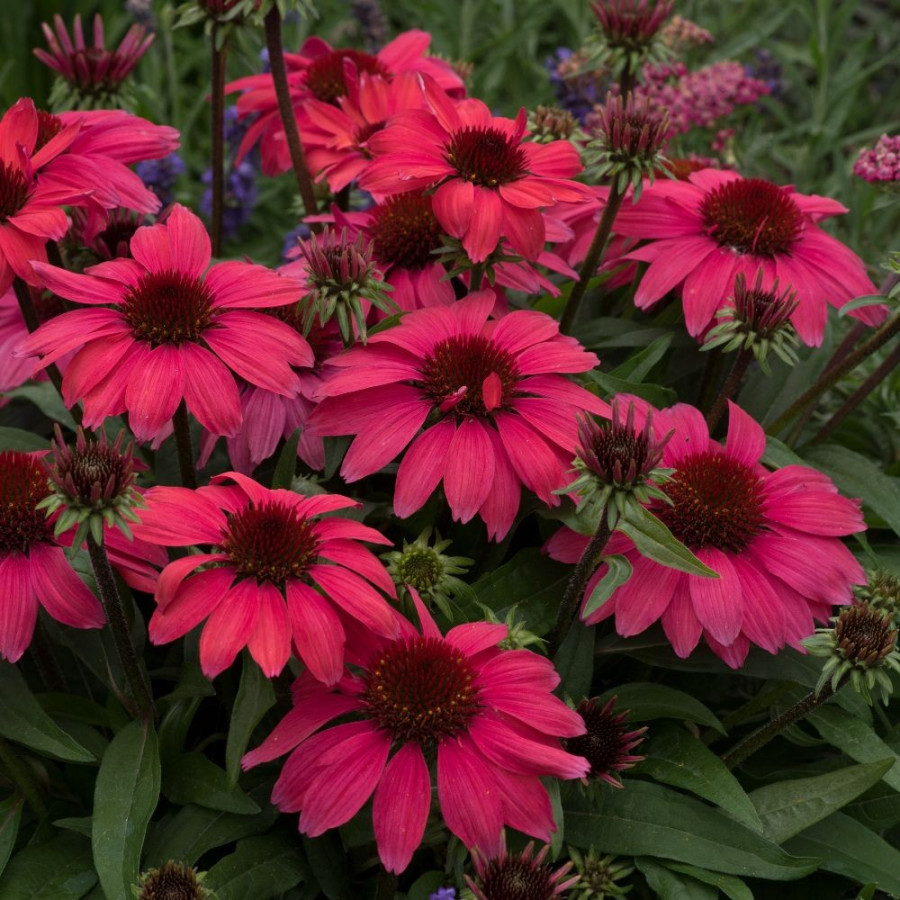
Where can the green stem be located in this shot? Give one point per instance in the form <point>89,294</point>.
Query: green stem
<point>118,623</point>
<point>182,427</point>
<point>732,383</point>
<point>476,277</point>
<point>571,601</point>
<point>21,777</point>
<point>217,105</point>
<point>32,323</point>
<point>386,885</point>
<point>286,110</point>
<point>831,376</point>
<point>756,741</point>
<point>593,258</point>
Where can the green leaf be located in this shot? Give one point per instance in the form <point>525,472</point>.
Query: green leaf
<point>675,757</point>
<point>22,720</point>
<point>878,808</point>
<point>856,739</point>
<point>848,848</point>
<point>425,885</point>
<point>83,825</point>
<point>647,819</point>
<point>532,582</point>
<point>125,797</point>
<point>19,439</point>
<point>655,394</point>
<point>637,367</point>
<point>788,807</point>
<point>327,860</point>
<point>575,661</point>
<point>10,816</point>
<point>192,778</point>
<point>656,701</point>
<point>656,542</point>
<point>255,697</point>
<point>287,463</point>
<point>857,476</point>
<point>669,885</point>
<point>261,867</point>
<point>618,572</point>
<point>60,869</point>
<point>730,886</point>
<point>45,397</point>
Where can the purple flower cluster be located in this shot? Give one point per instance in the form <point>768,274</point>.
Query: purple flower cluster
<point>881,164</point>
<point>577,93</point>
<point>160,175</point>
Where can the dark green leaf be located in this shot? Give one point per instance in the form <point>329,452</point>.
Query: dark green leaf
<point>656,701</point>
<point>22,720</point>
<point>731,887</point>
<point>848,848</point>
<point>638,366</point>
<point>254,697</point>
<point>675,757</point>
<point>856,739</point>
<point>60,869</point>
<point>648,819</point>
<point>425,885</point>
<point>261,867</point>
<point>287,463</point>
<point>878,808</point>
<point>125,797</point>
<point>45,397</point>
<point>82,825</point>
<point>788,807</point>
<point>575,661</point>
<point>670,885</point>
<point>656,542</point>
<point>618,572</point>
<point>192,778</point>
<point>326,858</point>
<point>655,394</point>
<point>18,439</point>
<point>10,816</point>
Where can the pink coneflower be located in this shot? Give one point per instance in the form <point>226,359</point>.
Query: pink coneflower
<point>499,413</point>
<point>275,574</point>
<point>161,331</point>
<point>704,231</point>
<point>519,876</point>
<point>31,197</point>
<point>321,72</point>
<point>607,744</point>
<point>490,183</point>
<point>486,717</point>
<point>33,567</point>
<point>773,538</point>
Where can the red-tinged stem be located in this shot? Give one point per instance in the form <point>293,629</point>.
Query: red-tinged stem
<point>182,427</point>
<point>732,383</point>
<point>286,110</point>
<point>217,105</point>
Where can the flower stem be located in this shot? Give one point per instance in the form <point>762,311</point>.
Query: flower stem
<point>45,662</point>
<point>860,394</point>
<point>568,608</point>
<point>476,277</point>
<point>756,741</point>
<point>29,314</point>
<point>182,427</point>
<point>286,110</point>
<point>386,885</point>
<point>118,623</point>
<point>593,258</point>
<point>21,777</point>
<point>217,105</point>
<point>732,383</point>
<point>832,375</point>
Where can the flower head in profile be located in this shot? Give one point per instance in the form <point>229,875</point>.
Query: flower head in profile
<point>772,537</point>
<point>703,232</point>
<point>159,329</point>
<point>173,881</point>
<point>91,77</point>
<point>484,719</point>
<point>489,182</point>
<point>519,876</point>
<point>628,33</point>
<point>275,575</point>
<point>497,411</point>
<point>607,744</point>
<point>34,571</point>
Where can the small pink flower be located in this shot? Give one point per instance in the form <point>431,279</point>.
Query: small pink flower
<point>485,718</point>
<point>275,574</point>
<point>499,413</point>
<point>34,570</point>
<point>160,331</point>
<point>702,232</point>
<point>773,538</point>
<point>489,182</point>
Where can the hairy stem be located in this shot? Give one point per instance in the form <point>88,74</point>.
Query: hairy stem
<point>182,427</point>
<point>732,383</point>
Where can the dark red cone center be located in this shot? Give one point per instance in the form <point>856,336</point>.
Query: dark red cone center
<point>486,156</point>
<point>405,231</point>
<point>168,308</point>
<point>515,878</point>
<point>23,484</point>
<point>13,191</point>
<point>325,76</point>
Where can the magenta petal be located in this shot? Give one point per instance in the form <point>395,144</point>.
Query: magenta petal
<point>270,644</point>
<point>644,597</point>
<point>422,467</point>
<point>155,388</point>
<point>194,599</point>
<point>680,622</point>
<point>317,630</point>
<point>541,468</point>
<point>360,560</point>
<point>473,637</point>
<point>356,597</point>
<point>469,469</point>
<point>210,391</point>
<point>402,801</point>
<point>453,204</point>
<point>229,627</point>
<point>19,609</point>
<point>718,602</point>
<point>61,592</point>
<point>484,231</point>
<point>526,804</point>
<point>746,440</point>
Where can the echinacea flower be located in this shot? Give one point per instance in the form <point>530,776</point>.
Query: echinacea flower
<point>161,331</point>
<point>33,567</point>
<point>485,717</point>
<point>496,409</point>
<point>772,537</point>
<point>607,744</point>
<point>275,575</point>
<point>489,183</point>
<point>702,232</point>
<point>519,876</point>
